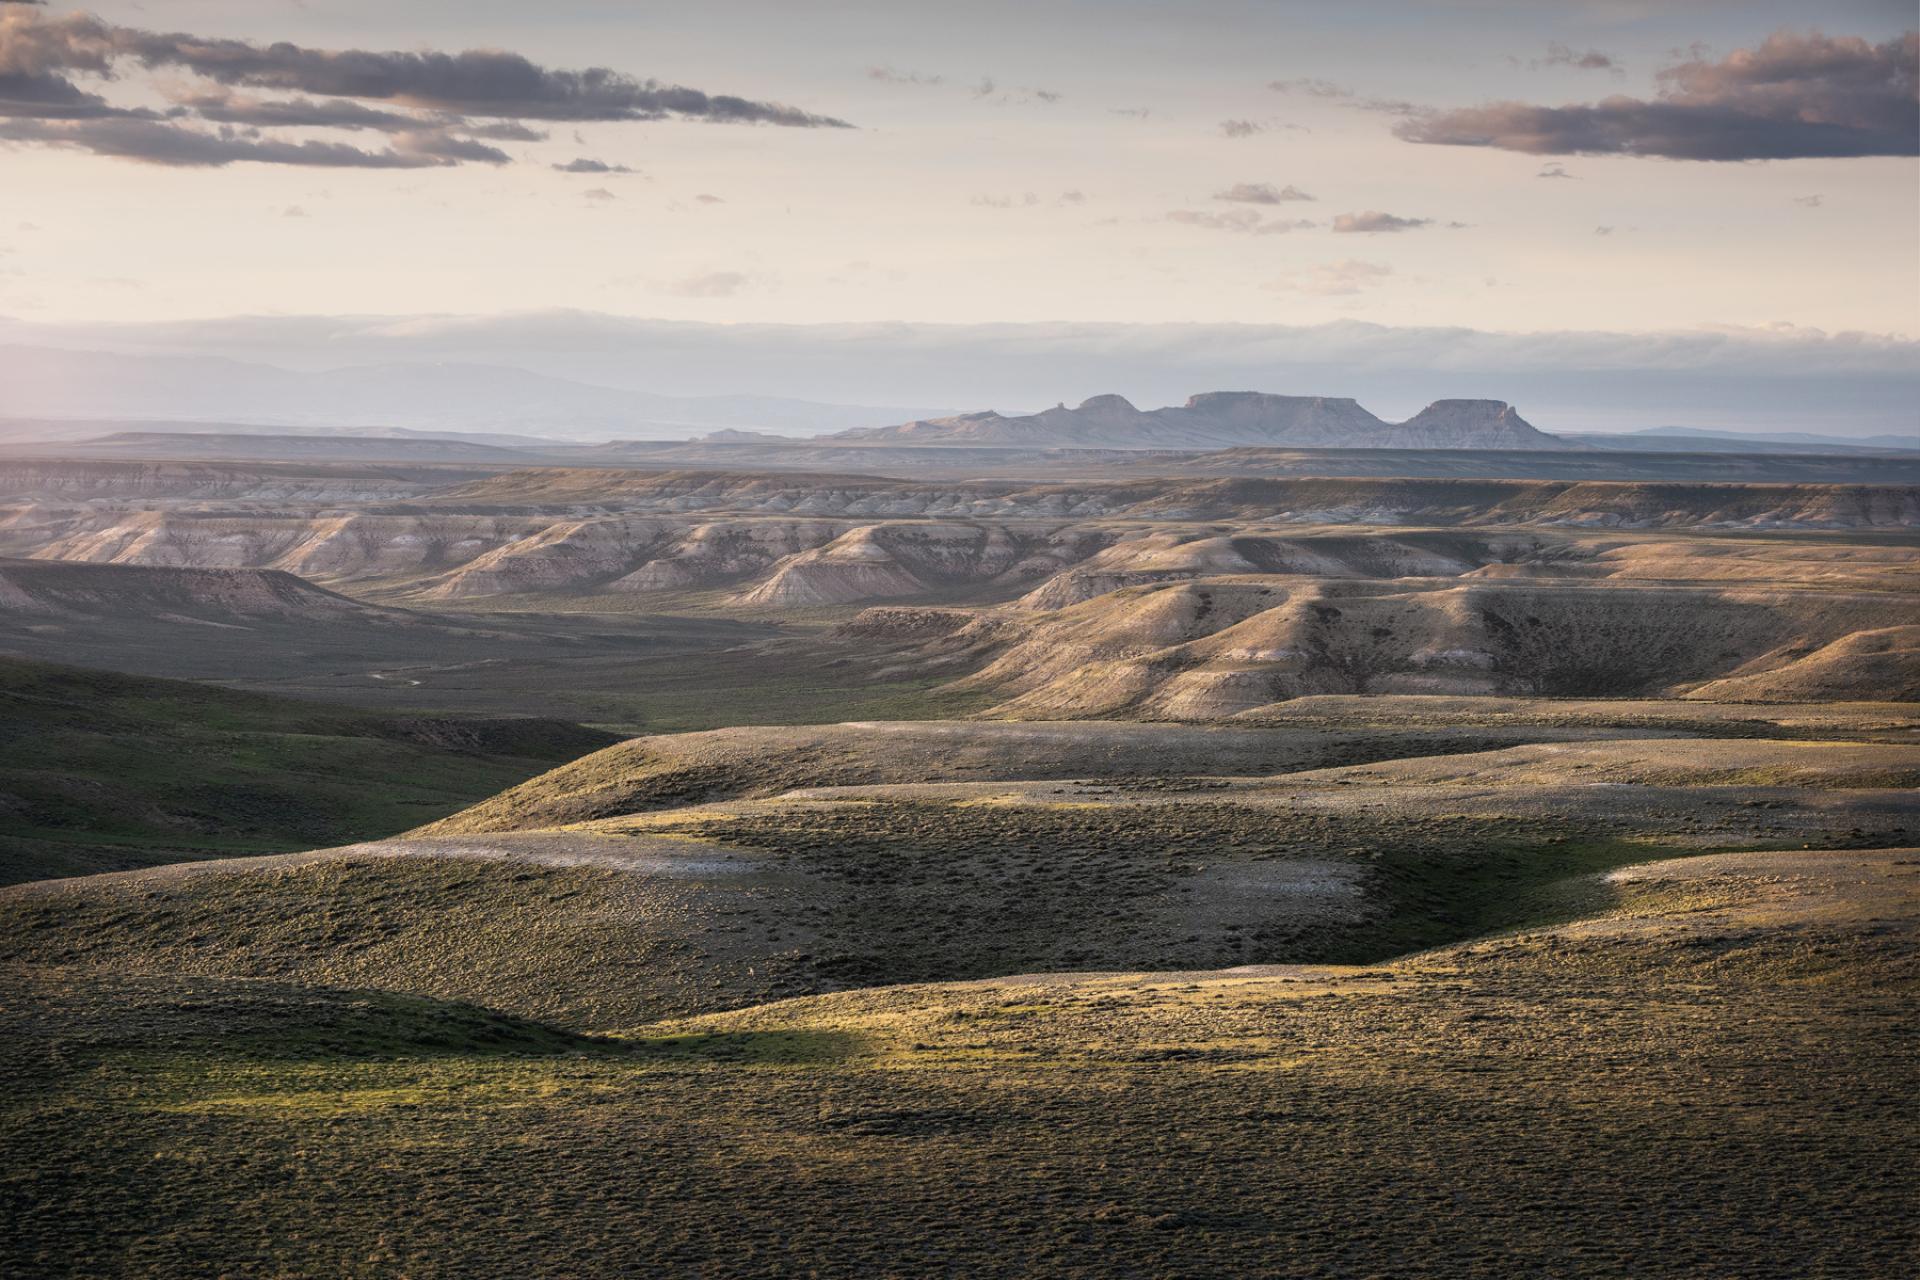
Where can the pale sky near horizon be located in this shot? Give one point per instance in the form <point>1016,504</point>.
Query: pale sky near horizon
<point>1040,161</point>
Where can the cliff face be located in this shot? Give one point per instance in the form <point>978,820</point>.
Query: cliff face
<point>1473,424</point>
<point>1228,419</point>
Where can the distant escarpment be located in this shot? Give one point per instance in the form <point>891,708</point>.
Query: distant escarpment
<point>1229,419</point>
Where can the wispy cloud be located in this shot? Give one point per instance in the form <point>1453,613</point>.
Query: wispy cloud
<point>1025,200</point>
<point>709,284</point>
<point>1260,193</point>
<point>892,75</point>
<point>1562,55</point>
<point>1314,87</point>
<point>1334,279</point>
<point>1244,221</point>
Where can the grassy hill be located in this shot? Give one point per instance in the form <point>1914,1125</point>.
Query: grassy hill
<point>1726,1046</point>
<point>100,771</point>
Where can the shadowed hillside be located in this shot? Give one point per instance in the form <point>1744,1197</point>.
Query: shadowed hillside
<point>101,771</point>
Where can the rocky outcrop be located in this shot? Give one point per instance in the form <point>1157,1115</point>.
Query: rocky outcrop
<point>1212,648</point>
<point>900,560</point>
<point>1473,424</point>
<point>778,541</point>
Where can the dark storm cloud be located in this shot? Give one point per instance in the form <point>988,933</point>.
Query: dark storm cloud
<point>1372,220</point>
<point>165,143</point>
<point>1794,96</point>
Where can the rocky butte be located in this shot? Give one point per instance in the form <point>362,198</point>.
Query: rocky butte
<point>1227,419</point>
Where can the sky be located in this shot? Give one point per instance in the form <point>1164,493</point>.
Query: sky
<point>1596,167</point>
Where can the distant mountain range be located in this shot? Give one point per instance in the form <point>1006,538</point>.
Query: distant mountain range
<point>1229,419</point>
<point>1709,440</point>
<point>49,383</point>
<point>51,395</point>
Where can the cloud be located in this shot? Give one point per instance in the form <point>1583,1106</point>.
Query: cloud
<point>889,75</point>
<point>293,211</point>
<point>988,90</point>
<point>711,284</point>
<point>1560,55</point>
<point>1260,193</point>
<point>1811,202</point>
<point>222,107</point>
<point>153,142</point>
<point>498,130</point>
<point>704,198</point>
<point>1241,128</point>
<point>485,82</point>
<point>587,165</point>
<point>1245,221</point>
<point>1372,220</point>
<point>423,98</point>
<point>1555,170</point>
<point>599,195</point>
<point>1024,201</point>
<point>1314,87</point>
<point>1334,279</point>
<point>1794,96</point>
<point>1603,231</point>
<point>1134,113</point>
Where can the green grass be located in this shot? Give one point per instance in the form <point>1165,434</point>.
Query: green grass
<point>1551,1106</point>
<point>100,771</point>
<point>722,694</point>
